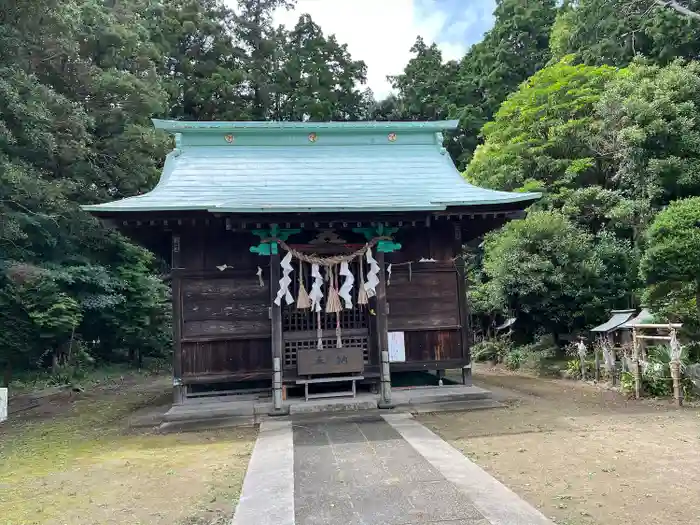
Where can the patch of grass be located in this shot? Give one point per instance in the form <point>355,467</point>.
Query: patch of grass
<point>81,466</point>
<point>24,382</point>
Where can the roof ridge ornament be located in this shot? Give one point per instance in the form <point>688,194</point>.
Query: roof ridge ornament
<point>178,144</point>
<point>439,140</point>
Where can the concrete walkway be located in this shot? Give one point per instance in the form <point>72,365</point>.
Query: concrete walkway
<point>377,470</point>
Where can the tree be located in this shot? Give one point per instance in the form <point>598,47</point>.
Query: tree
<point>670,266</point>
<point>678,7</point>
<point>425,84</point>
<point>540,137</point>
<point>614,31</point>
<point>514,49</point>
<point>258,46</point>
<point>649,124</point>
<point>556,276</point>
<point>78,86</point>
<point>318,79</point>
<point>472,90</point>
<point>198,62</point>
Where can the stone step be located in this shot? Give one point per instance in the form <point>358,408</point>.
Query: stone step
<point>315,406</point>
<point>444,394</point>
<point>456,406</point>
<point>215,410</point>
<point>196,425</point>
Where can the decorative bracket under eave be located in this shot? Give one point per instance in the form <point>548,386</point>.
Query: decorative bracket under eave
<point>380,230</point>
<point>266,247</point>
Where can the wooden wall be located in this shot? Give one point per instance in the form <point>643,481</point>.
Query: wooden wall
<point>225,329</point>
<point>424,300</point>
<point>222,360</point>
<point>223,306</point>
<point>224,322</point>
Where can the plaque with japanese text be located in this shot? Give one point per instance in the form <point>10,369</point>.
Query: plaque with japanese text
<point>330,361</point>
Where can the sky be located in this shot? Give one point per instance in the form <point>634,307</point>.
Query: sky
<point>381,32</point>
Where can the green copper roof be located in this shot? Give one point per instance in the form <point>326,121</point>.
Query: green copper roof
<point>251,167</point>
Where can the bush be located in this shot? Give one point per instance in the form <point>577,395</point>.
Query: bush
<point>656,382</point>
<point>627,383</point>
<point>539,355</point>
<point>491,350</point>
<point>514,359</point>
<point>573,368</point>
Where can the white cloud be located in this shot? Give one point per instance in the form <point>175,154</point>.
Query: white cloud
<point>380,32</point>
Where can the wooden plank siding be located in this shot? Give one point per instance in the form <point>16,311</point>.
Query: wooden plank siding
<point>433,345</point>
<point>212,361</point>
<point>424,301</point>
<point>225,333</point>
<point>205,248</point>
<point>227,306</point>
<point>224,324</point>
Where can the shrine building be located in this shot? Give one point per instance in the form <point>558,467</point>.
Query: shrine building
<point>312,259</point>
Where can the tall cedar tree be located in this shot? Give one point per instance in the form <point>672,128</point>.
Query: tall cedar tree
<point>472,90</point>
<point>614,31</point>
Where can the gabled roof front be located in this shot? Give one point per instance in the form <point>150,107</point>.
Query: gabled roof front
<point>259,167</point>
<point>618,318</point>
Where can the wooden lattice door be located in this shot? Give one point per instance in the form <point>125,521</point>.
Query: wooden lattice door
<point>299,327</point>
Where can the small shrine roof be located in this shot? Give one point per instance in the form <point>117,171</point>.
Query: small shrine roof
<point>644,317</point>
<point>618,318</point>
<point>307,167</point>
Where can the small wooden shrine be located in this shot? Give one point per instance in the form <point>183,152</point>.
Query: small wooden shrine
<point>614,332</point>
<point>305,253</point>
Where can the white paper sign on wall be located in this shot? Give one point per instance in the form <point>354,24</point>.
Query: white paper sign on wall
<point>3,404</point>
<point>397,348</point>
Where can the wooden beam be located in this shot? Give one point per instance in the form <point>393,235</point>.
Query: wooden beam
<point>276,311</point>
<point>666,326</point>
<point>383,332</point>
<point>178,388</point>
<point>463,305</point>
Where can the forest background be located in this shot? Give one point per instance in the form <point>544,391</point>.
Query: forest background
<point>595,103</point>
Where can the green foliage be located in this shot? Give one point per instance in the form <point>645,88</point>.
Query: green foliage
<point>608,148</point>
<point>649,127</point>
<point>552,273</point>
<point>671,266</point>
<point>514,359</point>
<point>76,97</point>
<point>614,31</point>
<point>539,357</point>
<point>542,132</point>
<point>495,349</point>
<point>318,77</point>
<point>573,369</point>
<point>627,384</point>
<point>471,90</point>
<point>656,377</point>
<point>661,355</point>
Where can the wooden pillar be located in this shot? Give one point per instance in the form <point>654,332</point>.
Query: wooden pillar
<point>463,305</point>
<point>276,327</point>
<point>464,332</point>
<point>179,390</point>
<point>635,365</point>
<point>676,376</point>
<point>383,335</point>
<point>596,363</point>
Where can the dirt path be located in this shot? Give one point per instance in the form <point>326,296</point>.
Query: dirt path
<point>581,454</point>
